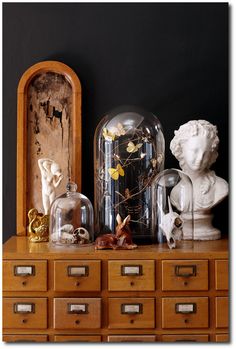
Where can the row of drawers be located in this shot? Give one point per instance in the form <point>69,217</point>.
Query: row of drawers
<point>117,338</point>
<point>123,313</point>
<point>123,275</point>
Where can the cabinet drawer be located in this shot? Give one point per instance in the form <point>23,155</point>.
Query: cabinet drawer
<point>24,275</point>
<point>65,338</point>
<point>132,275</point>
<point>222,337</point>
<point>132,338</point>
<point>185,338</point>
<point>73,313</point>
<point>185,275</point>
<point>222,312</point>
<point>77,275</point>
<point>221,274</point>
<point>24,313</point>
<point>186,312</point>
<point>131,313</point>
<point>25,338</point>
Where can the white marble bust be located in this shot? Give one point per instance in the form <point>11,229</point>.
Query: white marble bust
<point>195,146</point>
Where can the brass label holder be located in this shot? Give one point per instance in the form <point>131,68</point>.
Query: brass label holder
<point>185,270</point>
<point>134,308</point>
<point>24,270</point>
<point>24,308</point>
<point>185,308</point>
<point>131,270</point>
<point>77,308</point>
<point>77,270</point>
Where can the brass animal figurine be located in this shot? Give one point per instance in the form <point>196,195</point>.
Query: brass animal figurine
<point>38,229</point>
<point>120,240</point>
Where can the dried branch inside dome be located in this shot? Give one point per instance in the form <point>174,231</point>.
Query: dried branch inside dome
<point>131,161</point>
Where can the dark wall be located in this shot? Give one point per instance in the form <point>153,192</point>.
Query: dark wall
<point>171,59</point>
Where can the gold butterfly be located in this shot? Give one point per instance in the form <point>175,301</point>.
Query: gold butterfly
<point>116,172</point>
<point>132,148</point>
<point>109,136</point>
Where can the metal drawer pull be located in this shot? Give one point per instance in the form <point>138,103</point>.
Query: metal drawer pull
<point>78,270</point>
<point>75,308</point>
<point>185,308</point>
<point>131,270</point>
<point>132,308</point>
<point>24,270</point>
<point>185,270</point>
<point>24,308</point>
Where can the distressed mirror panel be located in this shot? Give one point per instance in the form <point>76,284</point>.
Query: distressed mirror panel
<point>49,106</point>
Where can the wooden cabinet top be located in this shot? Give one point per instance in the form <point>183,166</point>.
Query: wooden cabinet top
<point>20,248</point>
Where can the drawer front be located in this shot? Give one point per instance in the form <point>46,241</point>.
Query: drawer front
<point>185,338</point>
<point>25,338</point>
<point>186,312</point>
<point>77,275</point>
<point>131,313</point>
<point>24,275</point>
<point>221,274</point>
<point>62,338</point>
<point>222,312</point>
<point>132,338</point>
<point>222,337</point>
<point>132,275</point>
<point>74,313</point>
<point>25,313</point>
<point>185,275</point>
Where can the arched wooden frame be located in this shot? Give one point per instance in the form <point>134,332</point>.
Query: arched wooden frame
<point>71,77</point>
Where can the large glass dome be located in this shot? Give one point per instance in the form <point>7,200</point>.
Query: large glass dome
<point>128,153</point>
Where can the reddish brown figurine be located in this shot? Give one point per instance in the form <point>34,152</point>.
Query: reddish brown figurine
<point>120,240</point>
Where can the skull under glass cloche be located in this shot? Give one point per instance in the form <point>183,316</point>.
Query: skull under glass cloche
<point>172,207</point>
<point>129,151</point>
<point>71,219</point>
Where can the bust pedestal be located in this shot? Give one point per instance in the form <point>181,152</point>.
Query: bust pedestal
<point>203,228</point>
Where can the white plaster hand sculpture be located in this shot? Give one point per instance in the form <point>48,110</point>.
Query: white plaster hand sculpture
<point>195,146</point>
<point>51,178</point>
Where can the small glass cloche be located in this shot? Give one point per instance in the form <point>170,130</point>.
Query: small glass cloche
<point>172,207</point>
<point>71,219</point>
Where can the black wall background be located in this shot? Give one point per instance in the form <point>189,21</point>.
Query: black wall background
<point>169,58</point>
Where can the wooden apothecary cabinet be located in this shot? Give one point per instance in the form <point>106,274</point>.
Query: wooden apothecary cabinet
<point>145,295</point>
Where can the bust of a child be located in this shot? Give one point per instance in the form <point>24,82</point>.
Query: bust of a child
<point>195,146</point>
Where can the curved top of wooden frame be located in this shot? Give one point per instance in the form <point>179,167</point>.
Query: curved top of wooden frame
<point>54,66</point>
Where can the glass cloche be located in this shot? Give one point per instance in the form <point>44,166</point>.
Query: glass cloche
<point>129,151</point>
<point>172,207</point>
<point>71,219</point>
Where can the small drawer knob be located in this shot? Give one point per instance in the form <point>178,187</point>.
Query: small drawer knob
<point>185,283</point>
<point>24,283</point>
<point>131,321</point>
<point>131,283</point>
<point>186,321</point>
<point>24,321</point>
<point>77,283</point>
<point>77,322</point>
